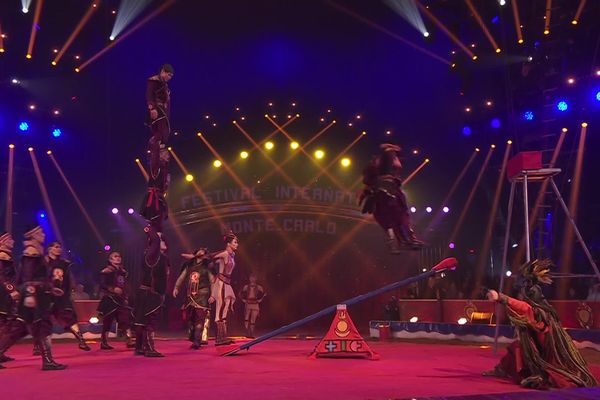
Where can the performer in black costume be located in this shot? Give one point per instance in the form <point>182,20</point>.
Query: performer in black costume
<point>35,302</point>
<point>9,295</point>
<point>114,304</point>
<point>63,282</point>
<point>151,293</point>
<point>158,101</point>
<point>154,206</point>
<point>196,305</point>
<point>384,198</point>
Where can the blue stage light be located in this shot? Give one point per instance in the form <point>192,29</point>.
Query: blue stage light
<point>42,215</point>
<point>562,105</point>
<point>495,19</point>
<point>56,132</point>
<point>23,126</point>
<point>496,123</point>
<point>528,115</point>
<point>466,131</point>
<point>598,95</point>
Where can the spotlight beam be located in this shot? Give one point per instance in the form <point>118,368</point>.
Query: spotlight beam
<point>443,28</point>
<point>303,146</point>
<point>547,19</point>
<point>9,188</point>
<point>149,17</point>
<point>487,240</point>
<point>99,237</point>
<point>1,40</point>
<point>457,181</point>
<point>408,10</point>
<point>412,174</point>
<point>482,24</point>
<point>568,237</point>
<point>467,205</point>
<point>36,20</point>
<point>515,9</point>
<point>388,32</point>
<point>45,197</point>
<point>128,11</point>
<point>579,11</point>
<point>142,169</point>
<point>88,14</point>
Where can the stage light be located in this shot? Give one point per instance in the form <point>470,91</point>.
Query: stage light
<point>244,154</point>
<point>217,163</point>
<point>11,146</point>
<point>508,273</point>
<point>426,34</point>
<point>32,107</point>
<point>466,130</point>
<point>413,209</point>
<point>451,245</point>
<point>474,58</point>
<point>189,177</point>
<point>571,81</point>
<point>488,103</point>
<point>25,10</point>
<point>502,2</point>
<point>509,141</point>
<point>598,72</point>
<point>429,210</point>
<point>319,154</point>
<point>424,270</point>
<point>270,104</point>
<point>130,211</point>
<point>23,126</point>
<point>77,57</point>
<point>56,132</point>
<point>111,38</point>
<point>530,58</point>
<point>468,109</point>
<point>28,56</point>
<point>414,319</point>
<point>462,321</point>
<point>107,248</point>
<point>30,149</point>
<point>528,115</point>
<point>427,160</point>
<point>358,117</point>
<point>53,63</point>
<point>598,95</point>
<point>269,145</point>
<point>446,209</point>
<point>546,32</point>
<point>515,245</point>
<point>493,146</point>
<point>350,124</point>
<point>294,145</point>
<point>115,210</point>
<point>77,69</point>
<point>498,50</point>
<point>496,123</point>
<point>477,149</point>
<point>388,132</point>
<point>14,81</point>
<point>49,152</point>
<point>415,151</point>
<point>345,162</point>
<point>42,215</point>
<point>94,320</point>
<point>562,106</point>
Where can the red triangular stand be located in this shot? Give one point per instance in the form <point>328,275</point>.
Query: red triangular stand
<point>343,340</point>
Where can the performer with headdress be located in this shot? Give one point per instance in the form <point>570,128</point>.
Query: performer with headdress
<point>221,288</point>
<point>35,303</point>
<point>151,293</point>
<point>63,282</point>
<point>251,295</point>
<point>9,295</point>
<point>544,355</point>
<point>195,271</point>
<point>114,304</point>
<point>384,198</point>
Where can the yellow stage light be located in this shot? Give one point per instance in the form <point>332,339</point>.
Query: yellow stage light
<point>11,146</point>
<point>574,22</point>
<point>269,145</point>
<point>520,41</point>
<point>498,50</point>
<point>77,70</point>
<point>493,146</point>
<point>509,142</point>
<point>217,163</point>
<point>28,56</point>
<point>564,130</point>
<point>427,160</point>
<point>584,125</point>
<point>345,162</point>
<point>49,152</point>
<point>546,32</point>
<point>137,160</point>
<point>477,149</point>
<point>189,177</point>
<point>53,63</point>
<point>319,154</point>
<point>244,154</point>
<point>30,149</point>
<point>169,148</point>
<point>294,145</point>
<point>474,58</point>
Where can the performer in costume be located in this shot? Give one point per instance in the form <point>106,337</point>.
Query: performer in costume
<point>384,198</point>
<point>63,281</point>
<point>252,295</point>
<point>221,288</point>
<point>9,295</point>
<point>35,301</point>
<point>154,206</point>
<point>195,271</point>
<point>151,293</point>
<point>114,304</point>
<point>544,355</point>
<point>158,99</point>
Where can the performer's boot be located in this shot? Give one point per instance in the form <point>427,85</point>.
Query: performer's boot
<point>197,339</point>
<point>251,331</point>
<point>37,351</point>
<point>150,351</point>
<point>10,335</point>
<point>79,336</point>
<point>104,341</point>
<point>222,338</point>
<point>139,341</point>
<point>129,341</point>
<point>191,333</point>
<point>48,363</point>
<point>205,329</point>
<point>391,242</point>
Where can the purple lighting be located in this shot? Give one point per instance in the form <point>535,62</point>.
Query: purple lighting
<point>115,210</point>
<point>428,209</point>
<point>413,209</point>
<point>130,211</point>
<point>107,248</point>
<point>446,209</point>
<point>451,245</point>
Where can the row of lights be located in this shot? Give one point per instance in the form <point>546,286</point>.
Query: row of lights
<point>24,127</point>
<point>115,211</point>
<point>429,210</point>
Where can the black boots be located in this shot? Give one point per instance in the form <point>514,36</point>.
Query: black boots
<point>139,341</point>
<point>150,350</point>
<point>197,336</point>
<point>48,363</point>
<point>222,338</point>
<point>391,242</point>
<point>79,336</point>
<point>104,341</point>
<point>129,341</point>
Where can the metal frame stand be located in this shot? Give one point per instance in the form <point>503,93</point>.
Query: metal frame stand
<point>526,176</point>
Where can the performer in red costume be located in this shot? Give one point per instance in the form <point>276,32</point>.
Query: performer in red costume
<point>251,295</point>
<point>384,198</point>
<point>221,287</point>
<point>544,355</point>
